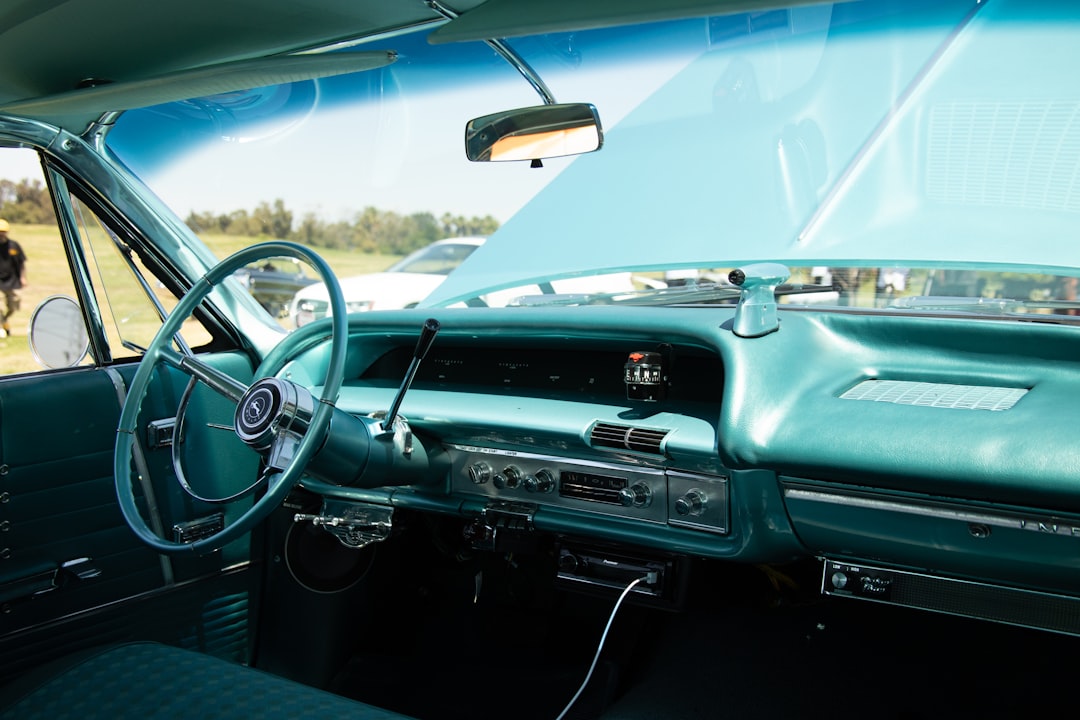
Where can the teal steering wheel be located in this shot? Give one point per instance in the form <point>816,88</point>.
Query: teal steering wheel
<point>263,409</point>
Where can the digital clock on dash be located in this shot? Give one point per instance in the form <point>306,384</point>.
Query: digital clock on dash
<point>643,374</point>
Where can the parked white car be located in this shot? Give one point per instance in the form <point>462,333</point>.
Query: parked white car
<point>408,281</point>
<point>402,285</point>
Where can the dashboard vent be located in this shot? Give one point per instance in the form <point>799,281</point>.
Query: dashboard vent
<point>938,395</point>
<point>624,437</point>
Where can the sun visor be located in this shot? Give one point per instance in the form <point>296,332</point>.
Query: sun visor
<point>515,18</point>
<point>89,103</point>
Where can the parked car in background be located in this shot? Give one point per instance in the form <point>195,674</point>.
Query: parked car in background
<point>402,285</point>
<point>408,281</point>
<point>274,284</point>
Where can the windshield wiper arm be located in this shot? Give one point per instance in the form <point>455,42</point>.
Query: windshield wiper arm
<point>648,296</point>
<point>969,304</point>
<point>991,306</point>
<point>691,294</point>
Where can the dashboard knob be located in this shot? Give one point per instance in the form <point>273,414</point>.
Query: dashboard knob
<point>480,472</point>
<point>692,503</point>
<point>543,482</point>
<point>637,495</point>
<point>513,476</point>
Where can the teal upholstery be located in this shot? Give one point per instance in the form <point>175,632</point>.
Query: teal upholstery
<point>149,680</point>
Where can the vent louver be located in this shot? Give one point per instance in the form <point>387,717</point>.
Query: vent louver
<point>624,437</point>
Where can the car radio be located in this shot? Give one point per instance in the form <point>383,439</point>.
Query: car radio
<point>638,492</point>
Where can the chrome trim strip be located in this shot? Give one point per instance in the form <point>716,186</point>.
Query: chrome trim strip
<point>230,570</point>
<point>1048,525</point>
<point>627,467</point>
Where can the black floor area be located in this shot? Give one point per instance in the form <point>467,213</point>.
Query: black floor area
<point>747,643</point>
<point>475,636</point>
<point>846,659</point>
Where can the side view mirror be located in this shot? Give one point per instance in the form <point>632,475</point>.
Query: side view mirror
<point>534,133</point>
<point>58,336</point>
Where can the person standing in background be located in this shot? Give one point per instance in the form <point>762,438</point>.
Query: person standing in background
<point>12,275</point>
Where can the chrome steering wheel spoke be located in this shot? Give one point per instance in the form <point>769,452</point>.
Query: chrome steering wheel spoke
<point>213,378</point>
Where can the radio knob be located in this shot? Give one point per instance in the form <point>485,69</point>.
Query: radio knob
<point>637,495</point>
<point>512,475</point>
<point>692,503</point>
<point>480,473</point>
<point>569,563</point>
<point>543,482</point>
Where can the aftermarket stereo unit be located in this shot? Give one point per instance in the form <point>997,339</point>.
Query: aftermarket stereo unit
<point>1013,606</point>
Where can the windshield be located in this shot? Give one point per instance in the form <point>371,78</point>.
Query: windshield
<point>437,259</point>
<point>913,156</point>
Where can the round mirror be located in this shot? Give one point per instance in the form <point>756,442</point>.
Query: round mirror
<point>58,336</point>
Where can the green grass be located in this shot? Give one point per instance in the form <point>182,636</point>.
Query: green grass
<point>48,274</point>
<point>343,262</point>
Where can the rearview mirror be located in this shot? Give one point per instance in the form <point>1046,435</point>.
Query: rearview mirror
<point>534,133</point>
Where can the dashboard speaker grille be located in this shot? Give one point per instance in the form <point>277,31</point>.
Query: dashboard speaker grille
<point>938,395</point>
<point>625,437</point>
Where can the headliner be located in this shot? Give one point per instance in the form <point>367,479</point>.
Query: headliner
<point>52,52</point>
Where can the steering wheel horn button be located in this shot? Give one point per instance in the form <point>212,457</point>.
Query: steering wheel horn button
<point>257,409</point>
<point>270,408</point>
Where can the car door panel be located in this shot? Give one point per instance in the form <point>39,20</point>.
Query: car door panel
<point>71,571</point>
<point>56,436</point>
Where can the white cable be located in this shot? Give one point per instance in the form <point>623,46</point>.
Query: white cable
<point>599,648</point>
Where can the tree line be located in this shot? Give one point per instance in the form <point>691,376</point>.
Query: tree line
<point>26,202</point>
<point>371,230</point>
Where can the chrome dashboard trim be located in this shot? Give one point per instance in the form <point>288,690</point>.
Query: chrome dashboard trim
<point>637,492</point>
<point>1048,524</point>
<point>525,455</point>
<point>503,486</point>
